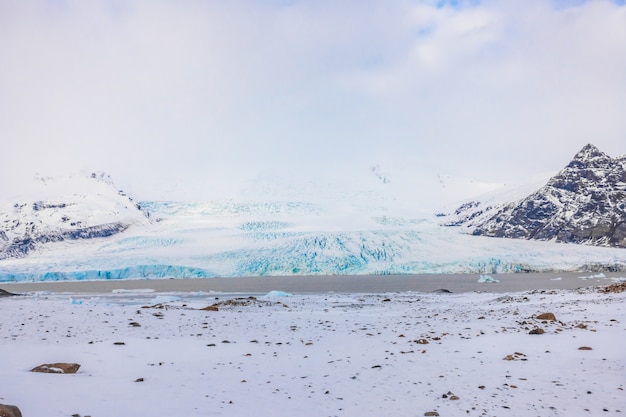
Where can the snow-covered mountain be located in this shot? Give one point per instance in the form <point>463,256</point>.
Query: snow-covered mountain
<point>584,203</point>
<point>65,209</point>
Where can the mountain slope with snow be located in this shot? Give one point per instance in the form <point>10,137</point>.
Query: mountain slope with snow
<point>65,209</point>
<point>584,203</point>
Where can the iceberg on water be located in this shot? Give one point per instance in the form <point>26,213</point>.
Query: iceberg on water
<point>487,278</point>
<point>275,293</point>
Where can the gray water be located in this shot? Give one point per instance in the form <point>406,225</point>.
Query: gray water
<point>456,283</point>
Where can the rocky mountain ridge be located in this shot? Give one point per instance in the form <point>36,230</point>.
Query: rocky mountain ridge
<point>584,203</point>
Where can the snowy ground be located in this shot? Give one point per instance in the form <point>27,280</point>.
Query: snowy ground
<point>392,354</point>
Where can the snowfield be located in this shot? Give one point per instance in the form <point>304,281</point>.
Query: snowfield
<point>145,353</point>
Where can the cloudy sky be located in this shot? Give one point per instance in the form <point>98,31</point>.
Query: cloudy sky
<point>202,95</point>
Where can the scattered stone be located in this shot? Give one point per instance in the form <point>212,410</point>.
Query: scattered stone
<point>584,348</point>
<point>613,288</point>
<point>57,368</point>
<point>240,302</point>
<point>431,414</point>
<point>9,410</point>
<point>514,357</point>
<point>134,324</point>
<point>450,396</point>
<point>139,380</point>
<point>546,316</point>
<point>119,343</point>
<point>442,291</point>
<point>421,341</point>
<point>537,330</point>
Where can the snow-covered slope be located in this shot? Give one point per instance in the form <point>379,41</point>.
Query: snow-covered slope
<point>65,209</point>
<point>584,203</point>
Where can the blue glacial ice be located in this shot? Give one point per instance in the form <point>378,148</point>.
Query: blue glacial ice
<point>487,278</point>
<point>131,272</point>
<point>203,240</point>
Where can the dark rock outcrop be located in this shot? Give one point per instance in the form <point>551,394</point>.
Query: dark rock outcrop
<point>20,247</point>
<point>9,411</point>
<point>584,203</point>
<point>4,293</point>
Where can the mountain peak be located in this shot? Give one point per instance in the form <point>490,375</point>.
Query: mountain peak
<point>588,150</point>
<point>590,156</point>
<point>583,203</point>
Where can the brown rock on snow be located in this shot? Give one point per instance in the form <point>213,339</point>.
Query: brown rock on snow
<point>9,411</point>
<point>546,316</point>
<point>57,368</point>
<point>515,356</point>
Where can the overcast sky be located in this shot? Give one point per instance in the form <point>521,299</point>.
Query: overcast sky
<point>200,95</point>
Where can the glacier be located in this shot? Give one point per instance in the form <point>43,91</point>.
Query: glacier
<point>360,233</point>
<point>207,240</point>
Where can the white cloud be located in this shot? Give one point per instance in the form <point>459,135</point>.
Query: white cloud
<point>202,95</point>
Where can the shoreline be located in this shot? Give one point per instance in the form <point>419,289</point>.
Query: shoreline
<point>456,283</point>
<point>325,354</point>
